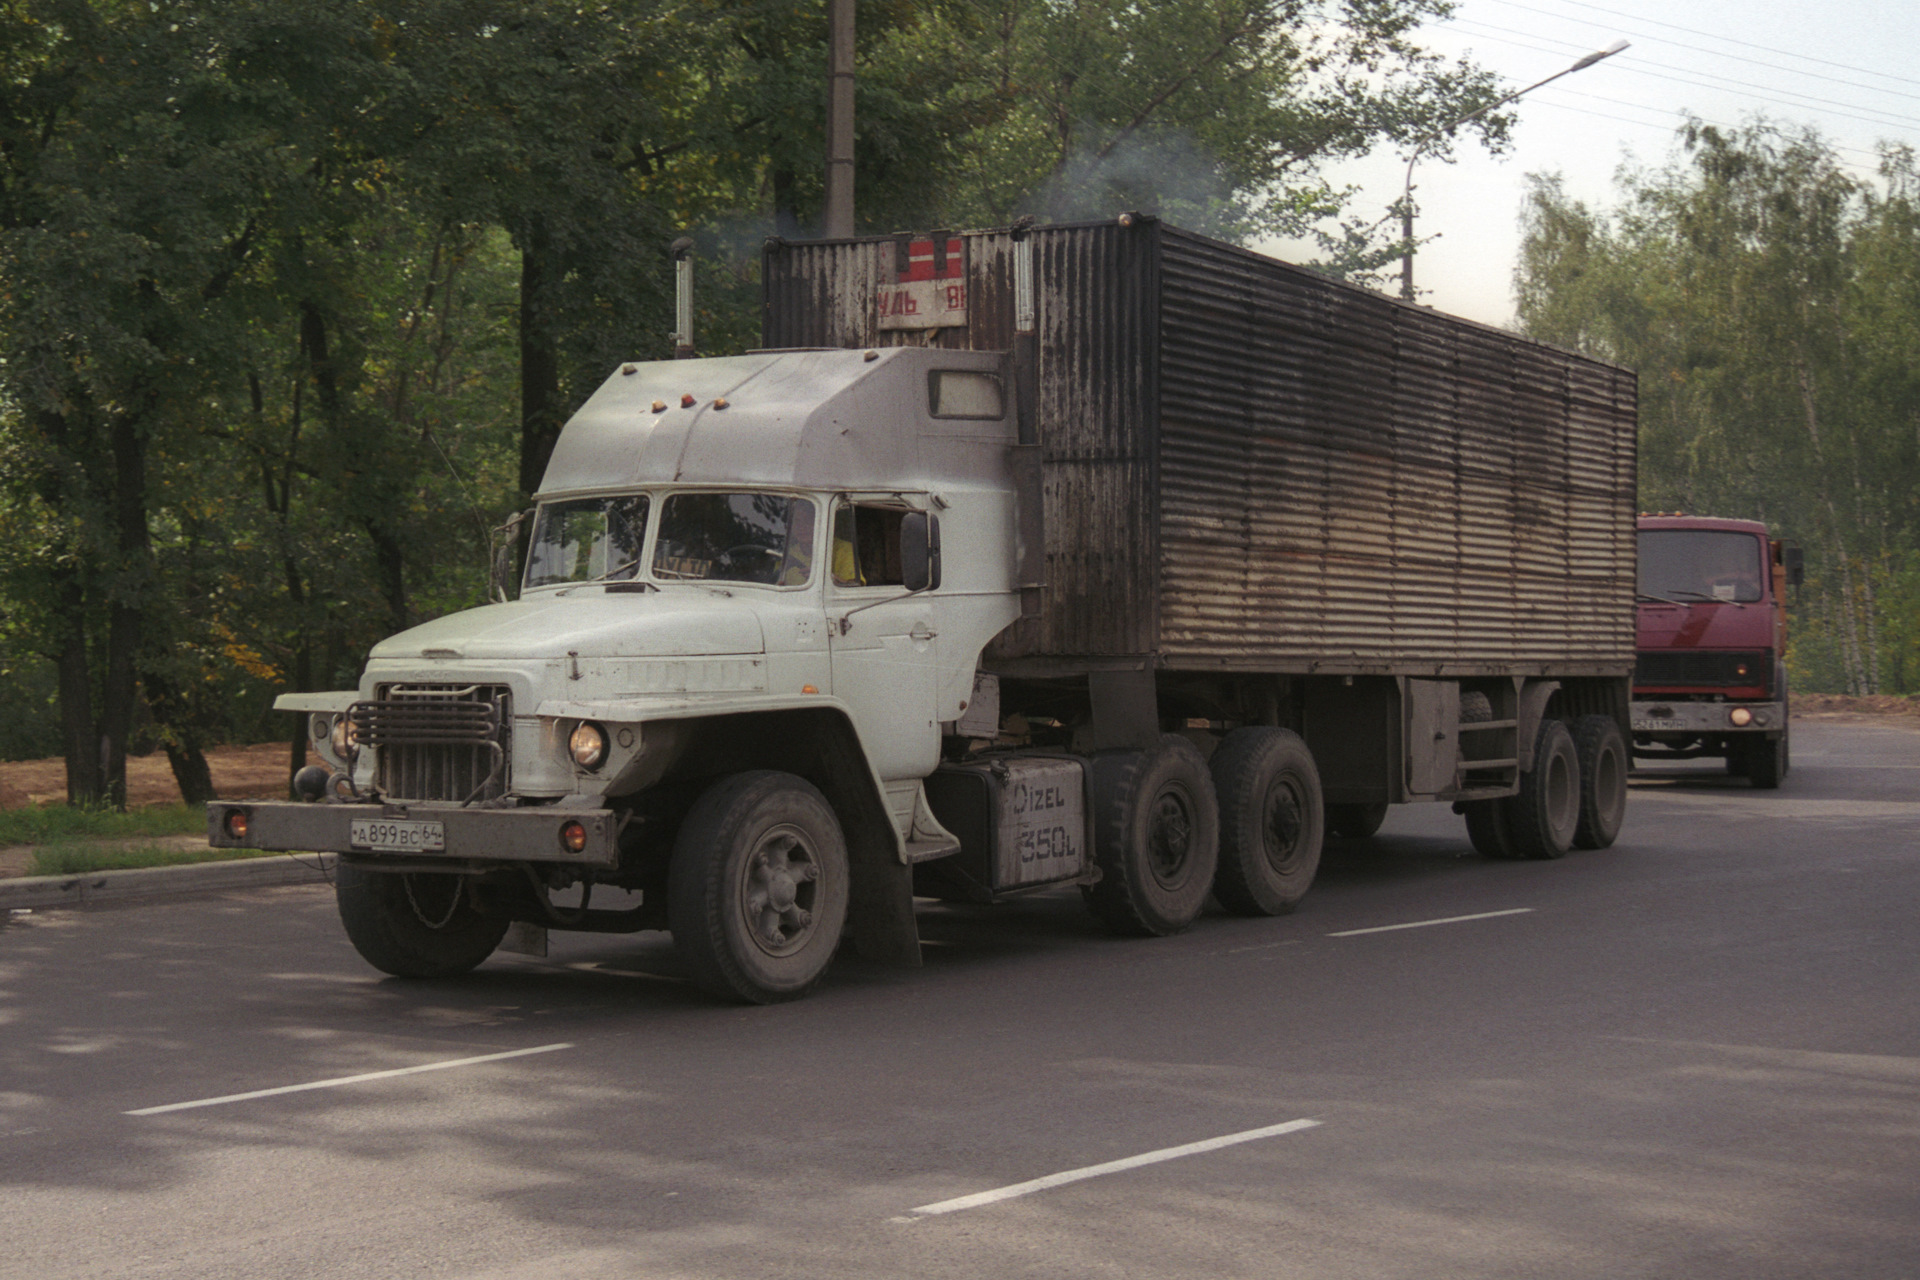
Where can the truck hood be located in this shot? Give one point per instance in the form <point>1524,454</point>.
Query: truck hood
<point>1705,625</point>
<point>591,624</point>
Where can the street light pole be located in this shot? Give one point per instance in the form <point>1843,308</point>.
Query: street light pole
<point>838,218</point>
<point>1406,199</point>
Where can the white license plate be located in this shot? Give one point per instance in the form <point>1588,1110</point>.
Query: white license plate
<point>1652,726</point>
<point>389,835</point>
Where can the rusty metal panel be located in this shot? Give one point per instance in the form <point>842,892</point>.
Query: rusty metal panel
<point>1349,483</point>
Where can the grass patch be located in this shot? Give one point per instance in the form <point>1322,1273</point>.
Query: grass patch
<point>75,859</point>
<point>54,823</point>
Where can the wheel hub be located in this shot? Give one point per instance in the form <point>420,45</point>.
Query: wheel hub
<point>777,903</point>
<point>1169,836</point>
<point>1283,827</point>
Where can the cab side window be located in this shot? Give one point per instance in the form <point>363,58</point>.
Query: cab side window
<point>866,545</point>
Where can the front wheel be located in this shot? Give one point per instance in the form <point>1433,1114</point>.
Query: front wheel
<point>422,925</point>
<point>1156,837</point>
<point>1271,821</point>
<point>758,887</point>
<point>1764,762</point>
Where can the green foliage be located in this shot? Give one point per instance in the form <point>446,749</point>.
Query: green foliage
<point>294,297</point>
<point>76,859</point>
<point>1768,301</point>
<point>60,824</point>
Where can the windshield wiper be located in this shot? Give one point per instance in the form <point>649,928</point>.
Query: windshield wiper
<point>1645,595</point>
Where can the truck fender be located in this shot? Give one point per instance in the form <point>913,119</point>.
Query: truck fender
<point>1533,705</point>
<point>819,744</point>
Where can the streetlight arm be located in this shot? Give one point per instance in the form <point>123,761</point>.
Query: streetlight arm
<point>1427,140</point>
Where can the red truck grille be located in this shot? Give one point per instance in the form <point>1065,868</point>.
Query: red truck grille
<point>1692,669</point>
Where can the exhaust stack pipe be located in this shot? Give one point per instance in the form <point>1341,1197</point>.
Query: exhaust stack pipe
<point>683,298</point>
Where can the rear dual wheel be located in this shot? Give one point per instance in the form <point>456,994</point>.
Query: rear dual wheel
<point>1272,821</point>
<point>1156,837</point>
<point>1542,819</point>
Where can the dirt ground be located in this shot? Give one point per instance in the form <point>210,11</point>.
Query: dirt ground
<point>238,772</point>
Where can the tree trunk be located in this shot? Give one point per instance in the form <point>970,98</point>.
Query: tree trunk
<point>78,738</point>
<point>126,618</point>
<point>174,715</point>
<point>539,361</point>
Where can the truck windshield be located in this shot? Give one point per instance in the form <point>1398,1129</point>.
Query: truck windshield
<point>587,540</point>
<point>1700,564</point>
<point>735,537</point>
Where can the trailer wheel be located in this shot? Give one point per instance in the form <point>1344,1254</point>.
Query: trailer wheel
<point>1487,827</point>
<point>1271,821</point>
<point>1156,837</point>
<point>414,926</point>
<point>1355,821</point>
<point>758,886</point>
<point>1543,817</point>
<point>1603,780</point>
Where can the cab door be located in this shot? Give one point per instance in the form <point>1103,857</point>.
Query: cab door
<point>884,645</point>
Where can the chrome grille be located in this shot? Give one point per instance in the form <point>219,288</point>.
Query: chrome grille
<point>437,741</point>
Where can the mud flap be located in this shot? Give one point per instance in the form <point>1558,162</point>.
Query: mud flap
<point>880,912</point>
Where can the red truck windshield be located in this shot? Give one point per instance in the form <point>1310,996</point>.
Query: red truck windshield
<point>1700,564</point>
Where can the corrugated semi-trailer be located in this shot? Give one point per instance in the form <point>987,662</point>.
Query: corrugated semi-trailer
<point>1251,470</point>
<point>1101,555</point>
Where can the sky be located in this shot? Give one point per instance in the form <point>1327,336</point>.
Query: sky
<point>1846,67</point>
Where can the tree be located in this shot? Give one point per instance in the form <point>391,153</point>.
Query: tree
<point>1765,297</point>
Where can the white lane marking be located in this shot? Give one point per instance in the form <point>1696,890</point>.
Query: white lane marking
<point>340,1080</point>
<point>979,1198</point>
<point>1422,924</point>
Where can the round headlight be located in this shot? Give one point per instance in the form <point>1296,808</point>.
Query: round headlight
<point>588,745</point>
<point>341,737</point>
<point>1741,717</point>
<point>319,726</point>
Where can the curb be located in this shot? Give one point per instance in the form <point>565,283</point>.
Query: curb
<point>140,883</point>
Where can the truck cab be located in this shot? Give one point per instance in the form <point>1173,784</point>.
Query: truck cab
<point>1710,676</point>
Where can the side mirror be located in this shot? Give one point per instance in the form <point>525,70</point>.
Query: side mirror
<point>506,538</point>
<point>920,551</point>
<point>1796,561</point>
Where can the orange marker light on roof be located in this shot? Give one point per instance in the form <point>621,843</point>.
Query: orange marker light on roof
<point>687,401</point>
<point>807,688</point>
<point>721,403</point>
<point>659,406</point>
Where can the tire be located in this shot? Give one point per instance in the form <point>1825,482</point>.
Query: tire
<point>1156,837</point>
<point>1272,821</point>
<point>415,926</point>
<point>1543,817</point>
<point>758,887</point>
<point>1602,749</point>
<point>1765,762</point>
<point>1487,827</point>
<point>1355,821</point>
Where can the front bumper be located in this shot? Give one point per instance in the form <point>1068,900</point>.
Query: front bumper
<point>466,835</point>
<point>1692,719</point>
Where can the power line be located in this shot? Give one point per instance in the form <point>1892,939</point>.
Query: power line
<point>1735,57</point>
<point>1695,31</point>
<point>1639,66</point>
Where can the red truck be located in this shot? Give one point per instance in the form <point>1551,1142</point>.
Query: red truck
<point>1710,675</point>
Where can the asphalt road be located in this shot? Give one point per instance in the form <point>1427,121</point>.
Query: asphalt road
<point>1693,1055</point>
